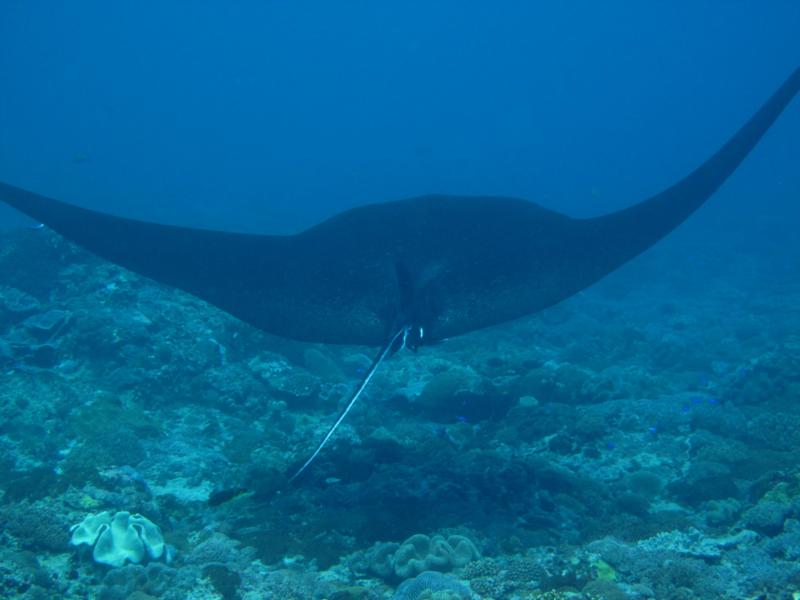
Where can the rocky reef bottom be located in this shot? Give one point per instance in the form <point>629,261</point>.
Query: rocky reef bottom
<point>641,440</point>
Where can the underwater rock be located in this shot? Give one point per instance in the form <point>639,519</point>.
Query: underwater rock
<point>230,387</point>
<point>722,512</point>
<point>47,325</point>
<point>385,447</point>
<point>224,581</point>
<point>553,382</point>
<point>775,430</point>
<point>441,389</point>
<point>288,381</point>
<point>605,589</point>
<point>695,544</point>
<point>769,379</point>
<point>102,450</point>
<point>206,353</point>
<point>43,356</point>
<point>221,550</point>
<point>489,578</point>
<point>786,545</point>
<point>673,560</point>
<point>34,526</point>
<point>32,484</point>
<point>320,364</point>
<point>590,427</point>
<point>767,516</point>
<point>15,303</point>
<point>297,385</point>
<point>671,350</point>
<point>644,483</point>
<point>715,448</point>
<point>704,480</point>
<point>25,353</point>
<point>460,394</point>
<point>633,504</point>
<point>142,582</point>
<point>29,351</point>
<point>22,576</point>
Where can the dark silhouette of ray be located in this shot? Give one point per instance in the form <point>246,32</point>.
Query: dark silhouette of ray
<point>448,264</point>
<point>400,273</point>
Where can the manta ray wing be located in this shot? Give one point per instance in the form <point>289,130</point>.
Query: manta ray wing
<point>475,261</point>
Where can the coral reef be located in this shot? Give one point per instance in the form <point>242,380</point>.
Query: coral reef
<point>119,538</point>
<point>623,445</point>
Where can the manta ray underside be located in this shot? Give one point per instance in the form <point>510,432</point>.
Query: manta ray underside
<point>400,273</point>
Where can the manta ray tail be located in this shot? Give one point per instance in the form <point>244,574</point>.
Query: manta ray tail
<point>385,351</point>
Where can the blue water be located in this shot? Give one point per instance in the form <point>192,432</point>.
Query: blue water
<point>650,421</point>
<point>270,116</point>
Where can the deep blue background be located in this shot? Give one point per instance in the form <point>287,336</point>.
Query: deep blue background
<point>268,116</point>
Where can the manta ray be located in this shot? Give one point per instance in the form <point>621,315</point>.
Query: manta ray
<point>403,273</point>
